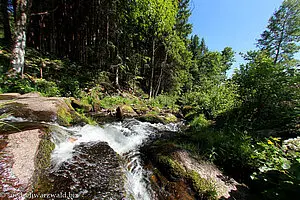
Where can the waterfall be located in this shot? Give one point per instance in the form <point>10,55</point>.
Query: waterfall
<point>124,138</point>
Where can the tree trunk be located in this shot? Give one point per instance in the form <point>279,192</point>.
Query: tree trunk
<point>278,48</point>
<point>14,2</point>
<point>161,73</point>
<point>117,76</point>
<point>152,69</point>
<point>107,29</point>
<point>18,56</point>
<point>6,25</point>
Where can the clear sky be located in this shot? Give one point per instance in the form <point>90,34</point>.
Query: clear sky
<point>233,23</point>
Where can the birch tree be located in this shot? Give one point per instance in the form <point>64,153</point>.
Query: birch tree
<point>18,55</point>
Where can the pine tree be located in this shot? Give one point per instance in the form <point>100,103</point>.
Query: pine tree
<point>197,48</point>
<point>203,48</point>
<point>182,26</point>
<point>283,32</point>
<point>194,46</point>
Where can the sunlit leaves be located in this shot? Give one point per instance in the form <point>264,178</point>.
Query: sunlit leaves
<point>281,39</point>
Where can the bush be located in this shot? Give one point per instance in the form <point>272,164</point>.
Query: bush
<point>229,149</point>
<point>164,101</point>
<point>113,101</point>
<point>69,87</point>
<point>200,122</point>
<point>46,88</point>
<point>16,84</point>
<point>278,174</point>
<point>212,101</point>
<point>26,85</point>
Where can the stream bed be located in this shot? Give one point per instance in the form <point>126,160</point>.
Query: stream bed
<point>95,162</point>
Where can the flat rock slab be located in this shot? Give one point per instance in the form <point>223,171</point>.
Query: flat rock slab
<point>17,162</point>
<point>32,106</point>
<point>23,146</point>
<point>223,184</point>
<point>8,96</point>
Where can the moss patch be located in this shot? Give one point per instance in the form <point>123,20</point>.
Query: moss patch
<point>170,118</point>
<point>151,118</point>
<point>169,171</point>
<point>204,188</point>
<point>41,184</point>
<point>68,116</point>
<point>64,117</point>
<point>174,168</point>
<point>127,109</point>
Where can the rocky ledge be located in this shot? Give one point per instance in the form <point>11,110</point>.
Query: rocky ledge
<point>178,175</point>
<point>26,146</point>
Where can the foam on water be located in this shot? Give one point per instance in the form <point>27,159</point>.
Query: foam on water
<point>123,137</point>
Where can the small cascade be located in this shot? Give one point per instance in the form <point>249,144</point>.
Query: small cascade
<point>125,138</point>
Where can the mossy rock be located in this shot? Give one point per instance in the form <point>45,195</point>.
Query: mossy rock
<point>127,109</point>
<point>170,118</point>
<point>203,187</point>
<point>156,109</point>
<point>64,117</point>
<point>166,189</point>
<point>76,104</point>
<point>162,155</point>
<point>42,164</point>
<point>172,166</point>
<point>141,109</point>
<point>68,116</point>
<point>151,118</point>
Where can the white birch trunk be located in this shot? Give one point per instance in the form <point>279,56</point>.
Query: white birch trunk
<point>18,56</point>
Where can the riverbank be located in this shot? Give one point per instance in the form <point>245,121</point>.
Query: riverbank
<point>202,161</point>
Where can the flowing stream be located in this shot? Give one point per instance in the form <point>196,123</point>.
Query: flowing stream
<point>125,138</point>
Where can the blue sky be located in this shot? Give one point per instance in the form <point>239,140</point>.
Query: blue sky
<point>233,23</point>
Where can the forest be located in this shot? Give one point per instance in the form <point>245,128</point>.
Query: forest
<point>98,50</point>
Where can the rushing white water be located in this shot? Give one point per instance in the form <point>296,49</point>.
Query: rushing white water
<point>123,137</point>
<point>11,118</point>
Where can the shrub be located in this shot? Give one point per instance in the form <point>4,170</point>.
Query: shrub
<point>113,101</point>
<point>278,174</point>
<point>16,84</point>
<point>164,101</point>
<point>46,88</point>
<point>212,101</point>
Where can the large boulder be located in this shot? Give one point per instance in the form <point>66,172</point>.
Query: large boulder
<point>182,174</point>
<point>33,107</point>
<point>18,161</point>
<point>94,172</point>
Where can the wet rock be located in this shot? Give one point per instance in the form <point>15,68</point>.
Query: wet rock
<point>177,170</point>
<point>128,111</point>
<point>17,162</point>
<point>76,104</point>
<point>9,96</point>
<point>93,173</point>
<point>119,113</point>
<point>33,107</point>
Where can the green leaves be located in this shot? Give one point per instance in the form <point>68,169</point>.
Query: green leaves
<point>265,91</point>
<point>155,16</point>
<point>281,39</point>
